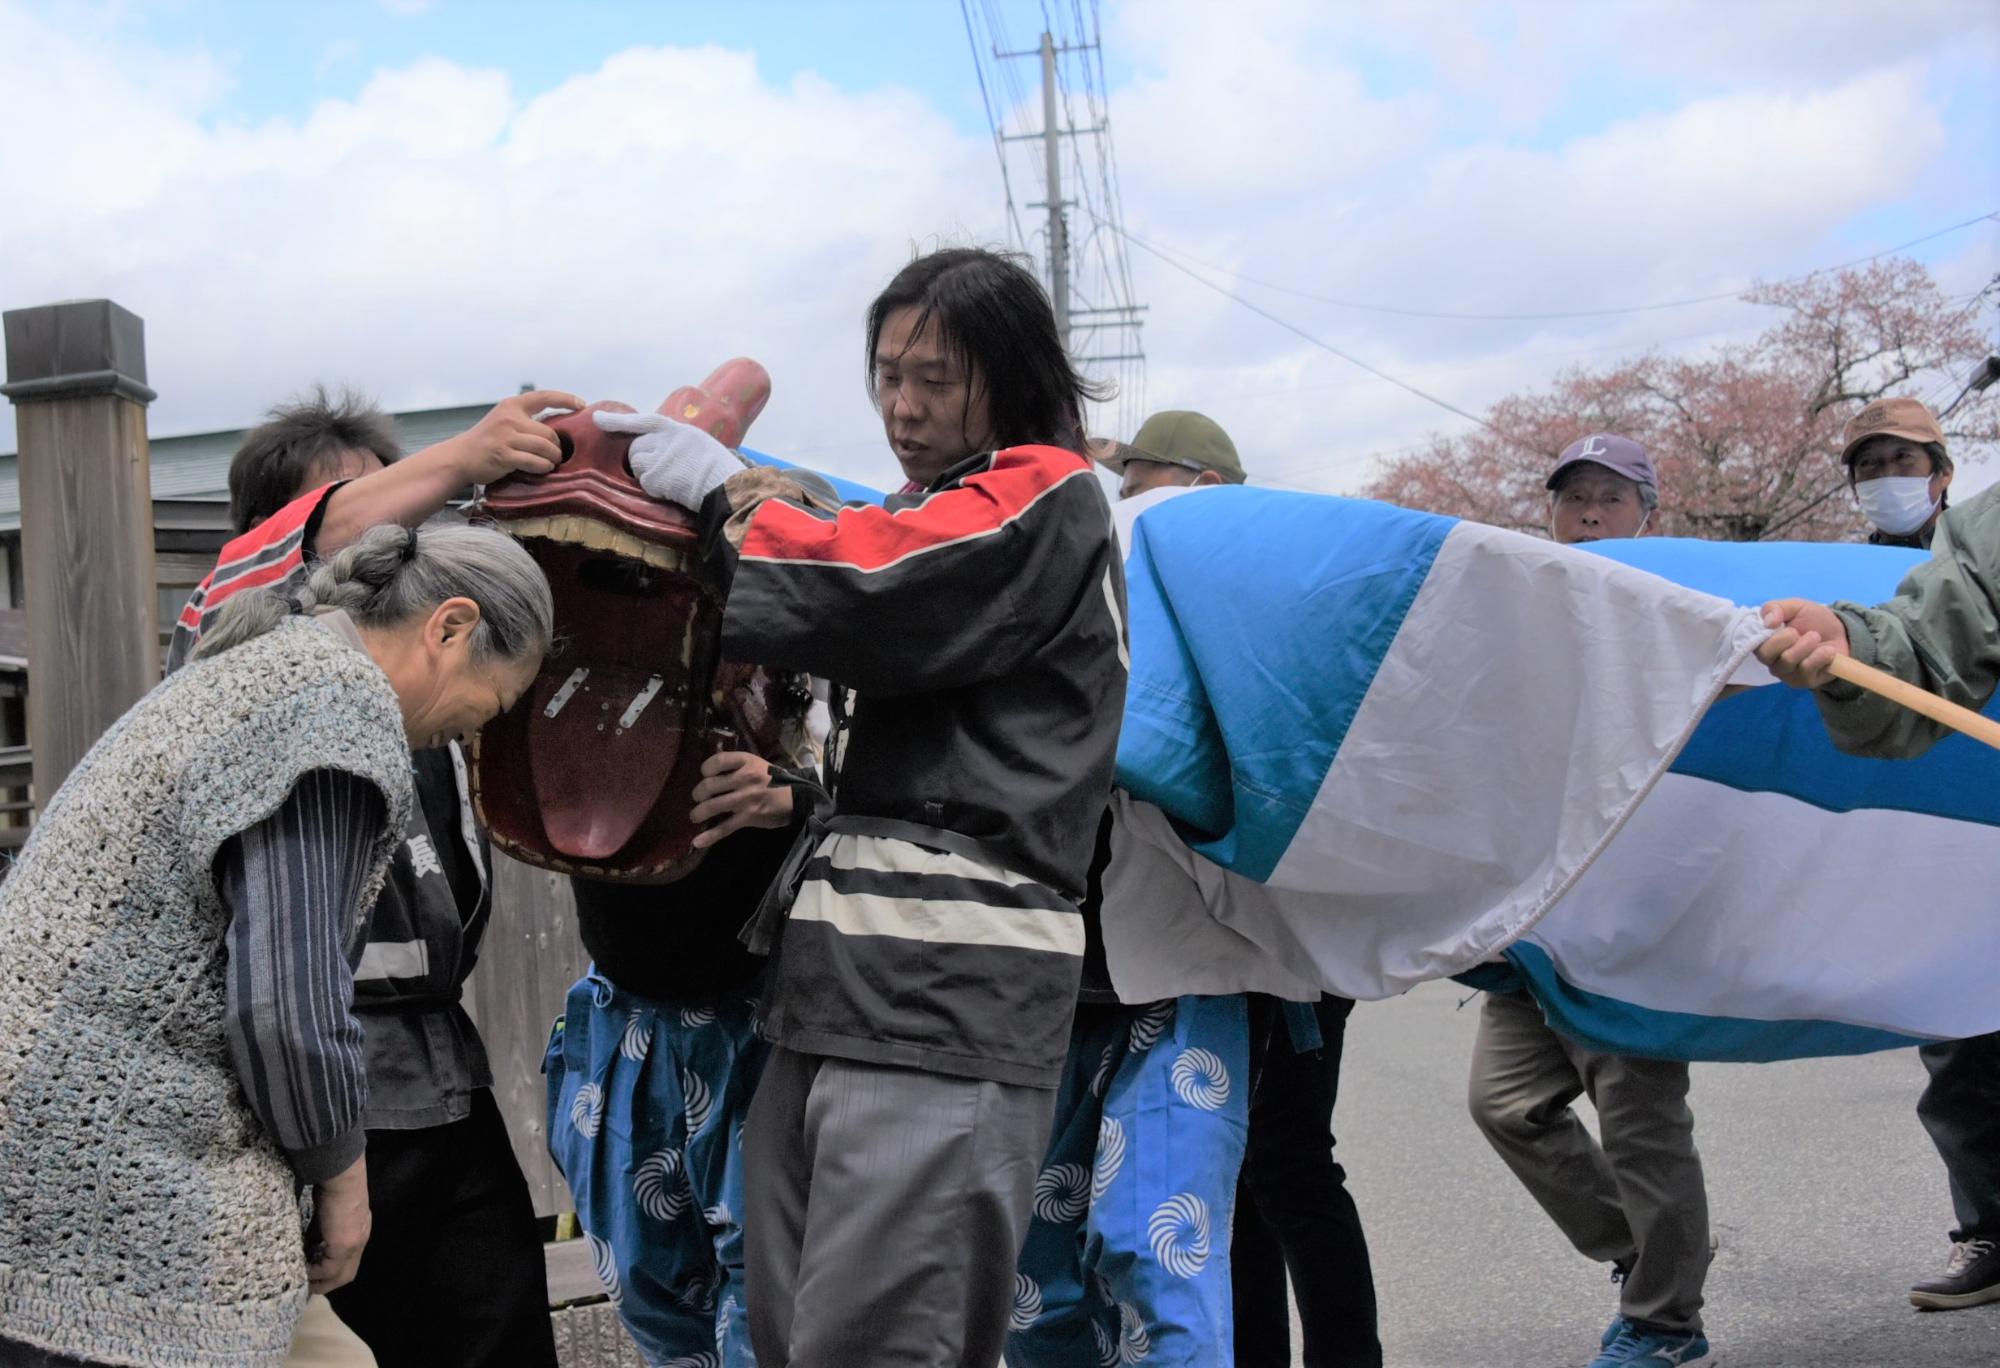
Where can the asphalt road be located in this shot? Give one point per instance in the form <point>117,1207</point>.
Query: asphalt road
<point>1825,1192</point>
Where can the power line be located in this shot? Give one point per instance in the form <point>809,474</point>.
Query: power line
<point>1093,275</point>
<point>1299,332</point>
<point>992,123</point>
<point>1554,314</point>
<point>1936,391</point>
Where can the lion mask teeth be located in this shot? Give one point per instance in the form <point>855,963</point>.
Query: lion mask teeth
<point>578,530</point>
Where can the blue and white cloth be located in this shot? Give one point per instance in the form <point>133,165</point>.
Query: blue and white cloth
<point>1391,746</point>
<point>1127,1255</point>
<point>646,1108</point>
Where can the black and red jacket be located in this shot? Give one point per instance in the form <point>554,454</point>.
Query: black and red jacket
<point>977,629</point>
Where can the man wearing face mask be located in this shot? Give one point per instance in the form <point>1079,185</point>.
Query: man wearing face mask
<point>1634,1197</point>
<point>1938,633</point>
<point>1898,470</point>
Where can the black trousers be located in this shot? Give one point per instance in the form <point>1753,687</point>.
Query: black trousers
<point>453,1273</point>
<point>14,1354</point>
<point>1293,1210</point>
<point>1960,1108</point>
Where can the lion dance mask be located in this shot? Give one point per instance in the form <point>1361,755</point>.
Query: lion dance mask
<point>593,771</point>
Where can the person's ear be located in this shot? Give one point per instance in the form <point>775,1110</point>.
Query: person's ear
<point>1207,477</point>
<point>451,625</point>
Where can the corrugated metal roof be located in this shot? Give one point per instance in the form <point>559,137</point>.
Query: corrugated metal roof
<point>195,467</point>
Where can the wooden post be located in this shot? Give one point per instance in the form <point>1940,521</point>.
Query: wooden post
<point>77,375</point>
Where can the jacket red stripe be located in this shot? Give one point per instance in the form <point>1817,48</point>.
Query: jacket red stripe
<point>868,538</point>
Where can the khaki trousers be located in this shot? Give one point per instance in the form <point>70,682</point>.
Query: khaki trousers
<point>324,1341</point>
<point>1637,1200</point>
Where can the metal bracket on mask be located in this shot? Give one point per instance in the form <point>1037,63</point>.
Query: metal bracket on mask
<point>593,771</point>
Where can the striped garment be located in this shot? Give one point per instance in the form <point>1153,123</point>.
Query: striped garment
<point>426,1057</point>
<point>978,630</point>
<point>266,555</point>
<point>146,1213</point>
<point>291,885</point>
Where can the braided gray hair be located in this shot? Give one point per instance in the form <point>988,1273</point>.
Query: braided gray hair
<point>391,574</point>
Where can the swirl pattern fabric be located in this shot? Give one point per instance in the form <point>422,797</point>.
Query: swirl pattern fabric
<point>1125,1256</point>
<point>646,1106</point>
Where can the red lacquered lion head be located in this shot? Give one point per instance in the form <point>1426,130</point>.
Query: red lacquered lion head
<point>593,771</point>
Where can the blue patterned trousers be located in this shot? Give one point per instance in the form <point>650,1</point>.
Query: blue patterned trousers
<point>646,1108</point>
<point>1127,1257</point>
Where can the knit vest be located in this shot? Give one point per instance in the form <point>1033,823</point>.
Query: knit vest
<point>145,1216</point>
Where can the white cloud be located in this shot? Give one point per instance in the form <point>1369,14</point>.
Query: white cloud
<point>1701,197</point>
<point>1233,107</point>
<point>439,237</point>
<point>336,53</point>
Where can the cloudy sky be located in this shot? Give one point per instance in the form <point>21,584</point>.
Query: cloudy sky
<point>436,201</point>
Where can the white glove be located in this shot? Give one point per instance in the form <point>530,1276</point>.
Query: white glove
<point>673,461</point>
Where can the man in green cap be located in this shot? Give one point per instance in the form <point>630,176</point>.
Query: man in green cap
<point>1173,447</point>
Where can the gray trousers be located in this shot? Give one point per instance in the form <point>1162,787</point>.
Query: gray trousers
<point>883,1211</point>
<point>1639,1200</point>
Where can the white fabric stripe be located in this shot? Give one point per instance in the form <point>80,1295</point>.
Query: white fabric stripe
<point>1756,905</point>
<point>1125,512</point>
<point>912,554</point>
<point>468,820</point>
<point>1117,619</point>
<point>394,960</point>
<point>844,850</point>
<point>1532,698</point>
<point>1504,740</point>
<point>939,922</point>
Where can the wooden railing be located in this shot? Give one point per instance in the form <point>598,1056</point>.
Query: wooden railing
<point>17,804</point>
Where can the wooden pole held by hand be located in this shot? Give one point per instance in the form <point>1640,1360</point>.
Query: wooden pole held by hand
<point>1917,700</point>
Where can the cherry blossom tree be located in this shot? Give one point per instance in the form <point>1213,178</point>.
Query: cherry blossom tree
<point>1746,439</point>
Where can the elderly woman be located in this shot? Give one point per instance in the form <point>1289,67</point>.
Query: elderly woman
<point>178,1057</point>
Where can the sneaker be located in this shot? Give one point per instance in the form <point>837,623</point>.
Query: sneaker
<point>1636,1348</point>
<point>1971,1278</point>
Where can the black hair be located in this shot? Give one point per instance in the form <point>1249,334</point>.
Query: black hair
<point>994,319</point>
<point>295,441</point>
<point>1940,460</point>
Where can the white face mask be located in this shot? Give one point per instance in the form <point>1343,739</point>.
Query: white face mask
<point>1897,504</point>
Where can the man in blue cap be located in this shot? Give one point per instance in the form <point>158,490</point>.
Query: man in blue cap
<point>1637,1200</point>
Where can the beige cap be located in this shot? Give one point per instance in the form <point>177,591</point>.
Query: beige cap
<point>1905,418</point>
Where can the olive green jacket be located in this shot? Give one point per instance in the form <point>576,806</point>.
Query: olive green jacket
<point>1941,631</point>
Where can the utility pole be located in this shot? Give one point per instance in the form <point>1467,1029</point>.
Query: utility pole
<point>1058,230</point>
<point>1090,287</point>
